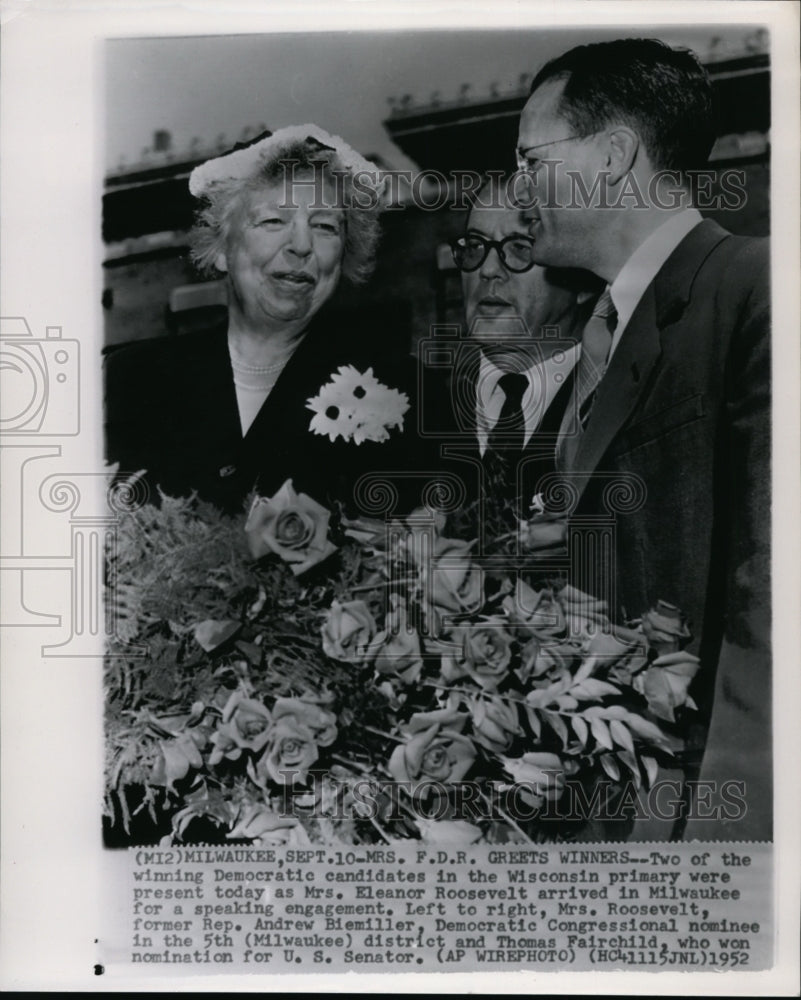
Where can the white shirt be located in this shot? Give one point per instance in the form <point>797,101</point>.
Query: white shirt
<point>644,264</point>
<point>544,380</point>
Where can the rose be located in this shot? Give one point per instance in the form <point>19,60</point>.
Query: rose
<point>542,774</point>
<point>620,654</point>
<point>541,532</point>
<point>178,757</point>
<point>604,649</point>
<point>448,831</point>
<point>538,657</point>
<point>435,754</point>
<point>308,712</point>
<point>584,615</point>
<point>666,681</point>
<point>292,526</point>
<point>289,752</point>
<point>448,717</point>
<point>537,611</point>
<point>347,631</point>
<point>284,836</point>
<point>245,726</point>
<point>396,649</point>
<point>485,651</point>
<point>261,825</point>
<point>495,723</point>
<point>665,628</point>
<point>451,580</point>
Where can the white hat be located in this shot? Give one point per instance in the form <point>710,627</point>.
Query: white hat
<point>247,161</point>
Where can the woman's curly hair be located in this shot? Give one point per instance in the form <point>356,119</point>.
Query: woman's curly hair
<point>222,207</point>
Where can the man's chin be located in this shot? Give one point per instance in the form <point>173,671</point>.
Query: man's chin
<point>497,328</point>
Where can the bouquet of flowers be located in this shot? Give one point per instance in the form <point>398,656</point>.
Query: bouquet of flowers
<point>299,676</point>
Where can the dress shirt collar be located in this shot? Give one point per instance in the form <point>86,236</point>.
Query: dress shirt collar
<point>645,263</point>
<point>543,385</point>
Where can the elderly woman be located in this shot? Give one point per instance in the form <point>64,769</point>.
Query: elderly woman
<point>226,410</point>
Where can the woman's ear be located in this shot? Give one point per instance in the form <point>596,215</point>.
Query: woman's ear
<point>621,152</point>
<point>221,262</point>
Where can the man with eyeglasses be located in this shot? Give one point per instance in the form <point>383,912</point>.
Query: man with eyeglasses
<point>523,325</point>
<point>673,385</point>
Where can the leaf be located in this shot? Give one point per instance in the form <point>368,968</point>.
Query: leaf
<point>211,634</point>
<point>600,731</point>
<point>586,668</point>
<point>621,735</point>
<point>630,760</point>
<point>581,729</point>
<point>651,769</point>
<point>250,651</point>
<point>557,724</point>
<point>613,712</point>
<point>593,688</point>
<point>534,720</point>
<point>673,659</point>
<point>666,682</point>
<point>647,730</point>
<point>609,764</point>
<point>180,755</point>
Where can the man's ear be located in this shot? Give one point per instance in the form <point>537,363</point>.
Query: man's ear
<point>621,152</point>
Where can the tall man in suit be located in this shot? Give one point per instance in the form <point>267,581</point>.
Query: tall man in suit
<point>674,383</point>
<point>510,374</point>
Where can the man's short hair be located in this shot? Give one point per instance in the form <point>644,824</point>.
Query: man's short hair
<point>663,93</point>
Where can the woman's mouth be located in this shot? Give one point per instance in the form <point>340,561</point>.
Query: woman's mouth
<point>295,279</point>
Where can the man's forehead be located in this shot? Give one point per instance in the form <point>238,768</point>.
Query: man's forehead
<point>541,111</point>
<point>502,217</point>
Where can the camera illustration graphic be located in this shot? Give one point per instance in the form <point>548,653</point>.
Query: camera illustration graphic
<point>39,381</point>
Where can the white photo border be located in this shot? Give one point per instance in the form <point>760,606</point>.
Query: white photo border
<point>54,886</point>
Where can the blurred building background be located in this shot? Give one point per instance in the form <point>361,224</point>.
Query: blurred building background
<point>151,289</point>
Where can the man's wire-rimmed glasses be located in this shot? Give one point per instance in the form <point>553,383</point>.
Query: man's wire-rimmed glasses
<point>527,165</point>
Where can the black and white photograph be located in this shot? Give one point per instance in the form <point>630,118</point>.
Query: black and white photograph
<point>423,490</point>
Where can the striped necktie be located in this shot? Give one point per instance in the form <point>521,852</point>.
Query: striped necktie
<point>596,341</point>
<point>509,432</point>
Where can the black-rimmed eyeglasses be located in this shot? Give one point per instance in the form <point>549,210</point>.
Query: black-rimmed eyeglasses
<point>516,252</point>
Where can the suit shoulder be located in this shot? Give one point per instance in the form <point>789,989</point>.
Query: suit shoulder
<point>746,255</point>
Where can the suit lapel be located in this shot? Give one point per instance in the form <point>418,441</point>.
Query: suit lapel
<point>640,346</point>
<point>204,369</point>
<point>301,378</point>
<point>624,381</point>
<point>463,389</point>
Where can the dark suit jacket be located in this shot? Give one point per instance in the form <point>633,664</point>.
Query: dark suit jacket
<point>171,409</point>
<point>685,407</point>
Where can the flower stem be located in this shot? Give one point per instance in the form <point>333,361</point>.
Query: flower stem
<point>379,732</point>
<point>383,833</point>
<point>508,819</point>
<point>352,764</point>
<point>473,693</point>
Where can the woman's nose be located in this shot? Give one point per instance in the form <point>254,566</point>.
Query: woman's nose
<point>300,241</point>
